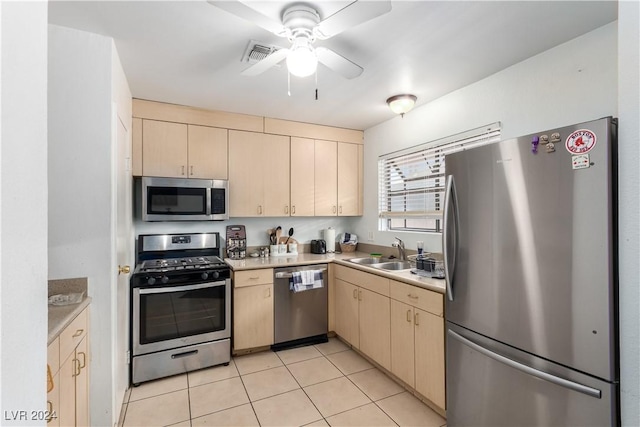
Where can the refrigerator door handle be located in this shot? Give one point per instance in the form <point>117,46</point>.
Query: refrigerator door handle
<point>589,391</point>
<point>450,199</point>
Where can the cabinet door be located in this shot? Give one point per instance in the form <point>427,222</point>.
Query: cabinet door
<point>375,326</point>
<point>67,382</point>
<point>246,180</point>
<point>164,149</point>
<point>402,345</point>
<point>208,152</point>
<point>429,362</point>
<point>53,402</point>
<point>326,178</point>
<point>275,174</point>
<point>346,312</point>
<point>302,177</point>
<point>348,183</point>
<point>253,316</point>
<point>82,384</point>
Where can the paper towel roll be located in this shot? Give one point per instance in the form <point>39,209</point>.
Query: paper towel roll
<point>330,238</point>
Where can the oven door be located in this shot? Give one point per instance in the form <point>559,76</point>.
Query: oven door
<point>172,317</point>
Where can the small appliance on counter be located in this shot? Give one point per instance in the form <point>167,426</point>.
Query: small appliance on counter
<point>236,242</point>
<point>318,247</point>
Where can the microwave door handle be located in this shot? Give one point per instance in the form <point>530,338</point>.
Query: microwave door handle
<point>208,204</point>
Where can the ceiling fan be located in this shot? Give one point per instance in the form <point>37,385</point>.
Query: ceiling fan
<point>302,25</point>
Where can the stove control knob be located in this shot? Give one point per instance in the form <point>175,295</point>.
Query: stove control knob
<point>151,281</point>
<point>164,279</point>
<point>215,274</point>
<point>204,275</point>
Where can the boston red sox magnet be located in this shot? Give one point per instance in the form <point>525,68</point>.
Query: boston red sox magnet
<point>580,141</point>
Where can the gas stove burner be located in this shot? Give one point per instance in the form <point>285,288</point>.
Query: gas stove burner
<point>187,263</point>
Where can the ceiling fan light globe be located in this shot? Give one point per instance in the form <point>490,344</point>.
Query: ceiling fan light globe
<point>302,61</point>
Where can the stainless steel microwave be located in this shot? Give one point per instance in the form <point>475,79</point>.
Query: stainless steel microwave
<point>182,199</point>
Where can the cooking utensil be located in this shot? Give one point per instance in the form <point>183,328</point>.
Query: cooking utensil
<point>290,234</point>
<point>278,233</point>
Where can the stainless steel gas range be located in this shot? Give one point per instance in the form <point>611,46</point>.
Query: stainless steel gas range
<point>180,305</point>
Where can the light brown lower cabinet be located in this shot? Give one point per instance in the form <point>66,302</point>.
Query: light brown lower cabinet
<point>417,340</point>
<point>252,309</point>
<point>68,385</point>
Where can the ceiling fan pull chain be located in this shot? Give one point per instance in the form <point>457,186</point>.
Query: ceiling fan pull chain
<point>316,84</point>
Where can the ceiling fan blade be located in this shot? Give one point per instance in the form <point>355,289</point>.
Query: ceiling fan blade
<point>338,63</point>
<point>243,11</point>
<point>354,14</point>
<point>266,63</point>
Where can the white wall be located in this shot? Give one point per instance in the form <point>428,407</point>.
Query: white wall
<point>587,78</point>
<point>80,185</point>
<point>304,229</point>
<point>571,83</point>
<point>629,207</point>
<point>23,218</point>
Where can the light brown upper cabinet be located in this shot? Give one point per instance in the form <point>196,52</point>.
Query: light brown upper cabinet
<point>177,150</point>
<point>338,183</point>
<point>208,152</point>
<point>302,176</point>
<point>326,178</point>
<point>258,174</point>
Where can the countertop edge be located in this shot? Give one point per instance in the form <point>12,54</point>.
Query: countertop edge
<point>60,317</point>
<point>405,276</point>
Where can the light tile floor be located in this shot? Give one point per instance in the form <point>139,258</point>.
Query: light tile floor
<point>325,384</point>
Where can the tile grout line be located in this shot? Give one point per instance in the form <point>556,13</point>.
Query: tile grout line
<point>300,385</point>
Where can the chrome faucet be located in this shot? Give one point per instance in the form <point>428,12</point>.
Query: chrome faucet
<point>400,245</point>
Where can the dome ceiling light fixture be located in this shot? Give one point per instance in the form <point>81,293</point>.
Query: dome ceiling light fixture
<point>401,104</point>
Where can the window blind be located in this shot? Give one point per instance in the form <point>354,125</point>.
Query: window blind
<point>411,181</point>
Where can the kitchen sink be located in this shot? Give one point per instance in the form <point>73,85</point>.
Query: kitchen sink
<point>394,265</point>
<point>369,260</point>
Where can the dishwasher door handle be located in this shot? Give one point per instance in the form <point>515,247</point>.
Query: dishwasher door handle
<point>289,274</point>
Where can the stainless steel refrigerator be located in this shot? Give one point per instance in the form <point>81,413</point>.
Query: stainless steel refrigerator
<point>530,246</point>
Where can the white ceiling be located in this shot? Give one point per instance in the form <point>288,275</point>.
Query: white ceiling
<point>189,52</point>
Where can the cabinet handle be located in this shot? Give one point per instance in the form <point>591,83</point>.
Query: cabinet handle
<point>49,411</point>
<point>359,295</point>
<point>254,277</point>
<point>191,167</point>
<point>413,296</point>
<point>84,359</point>
<point>417,321</point>
<point>409,316</point>
<point>268,292</point>
<point>76,367</point>
<point>50,384</point>
<point>293,210</point>
<point>259,209</point>
<point>340,210</point>
<point>334,208</point>
<point>182,169</point>
<point>286,210</point>
<point>355,294</point>
<point>78,333</point>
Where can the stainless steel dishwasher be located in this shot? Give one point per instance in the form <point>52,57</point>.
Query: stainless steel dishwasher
<point>299,317</point>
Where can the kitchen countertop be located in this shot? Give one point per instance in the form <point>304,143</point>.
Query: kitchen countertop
<point>249,263</point>
<point>60,316</point>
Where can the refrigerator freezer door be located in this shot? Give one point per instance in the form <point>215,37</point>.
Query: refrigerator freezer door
<point>534,266</point>
<point>491,384</point>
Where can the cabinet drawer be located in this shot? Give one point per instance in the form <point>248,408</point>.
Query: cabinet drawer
<point>369,281</point>
<point>253,277</point>
<point>418,297</point>
<point>53,355</point>
<point>71,336</point>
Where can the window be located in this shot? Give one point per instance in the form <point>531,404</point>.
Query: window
<point>411,181</point>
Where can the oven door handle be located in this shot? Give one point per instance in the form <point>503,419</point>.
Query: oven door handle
<point>144,291</point>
